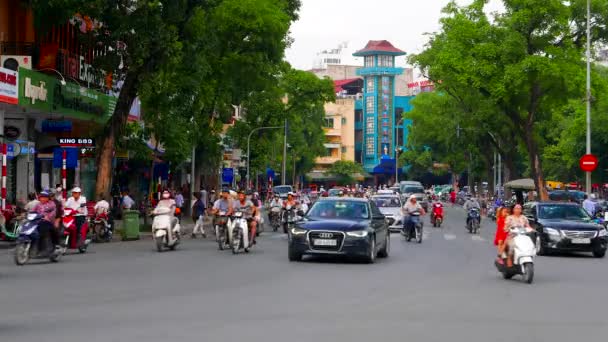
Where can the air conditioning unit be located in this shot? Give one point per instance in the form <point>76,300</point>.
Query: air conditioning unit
<point>13,62</point>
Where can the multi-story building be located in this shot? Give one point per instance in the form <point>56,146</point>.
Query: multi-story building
<point>379,128</point>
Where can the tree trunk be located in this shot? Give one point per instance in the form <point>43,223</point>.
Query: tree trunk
<point>116,126</point>
<point>535,164</point>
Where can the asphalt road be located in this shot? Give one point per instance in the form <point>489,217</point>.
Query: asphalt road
<point>445,289</point>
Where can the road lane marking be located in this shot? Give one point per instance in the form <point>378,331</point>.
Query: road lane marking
<point>477,238</point>
<point>449,236</point>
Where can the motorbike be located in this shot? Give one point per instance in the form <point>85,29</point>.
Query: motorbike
<point>275,218</point>
<point>29,239</point>
<point>74,238</point>
<point>474,220</point>
<point>437,214</point>
<point>165,229</point>
<point>102,230</point>
<point>221,232</point>
<point>289,218</point>
<point>239,234</point>
<point>523,256</point>
<point>600,218</point>
<point>9,226</point>
<point>413,229</point>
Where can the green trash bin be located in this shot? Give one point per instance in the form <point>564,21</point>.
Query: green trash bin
<point>130,225</point>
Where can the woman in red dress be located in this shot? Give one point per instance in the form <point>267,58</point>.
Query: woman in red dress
<point>501,234</point>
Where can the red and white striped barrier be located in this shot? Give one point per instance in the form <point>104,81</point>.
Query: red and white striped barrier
<point>64,173</point>
<point>3,176</point>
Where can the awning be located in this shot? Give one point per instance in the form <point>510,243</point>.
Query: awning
<point>386,167</point>
<point>521,184</point>
<point>331,145</point>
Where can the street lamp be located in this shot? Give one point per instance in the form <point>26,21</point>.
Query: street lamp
<point>248,142</point>
<point>588,97</point>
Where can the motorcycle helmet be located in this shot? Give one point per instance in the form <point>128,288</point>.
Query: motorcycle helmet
<point>77,190</point>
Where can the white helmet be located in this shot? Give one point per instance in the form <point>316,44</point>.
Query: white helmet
<point>76,189</point>
<point>592,196</point>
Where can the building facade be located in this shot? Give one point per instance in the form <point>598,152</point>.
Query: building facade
<point>379,120</point>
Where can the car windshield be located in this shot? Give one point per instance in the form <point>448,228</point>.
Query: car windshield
<point>412,189</point>
<point>386,202</point>
<point>281,189</point>
<point>339,210</point>
<point>563,212</point>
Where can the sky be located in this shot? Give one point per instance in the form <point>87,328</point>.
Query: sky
<point>324,24</point>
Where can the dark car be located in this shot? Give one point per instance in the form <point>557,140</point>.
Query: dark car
<point>565,227</point>
<point>346,226</point>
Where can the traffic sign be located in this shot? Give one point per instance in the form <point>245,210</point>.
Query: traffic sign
<point>588,163</point>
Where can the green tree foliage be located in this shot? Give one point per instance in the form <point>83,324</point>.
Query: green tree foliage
<point>345,170</point>
<point>526,62</point>
<point>189,60</point>
<point>299,98</point>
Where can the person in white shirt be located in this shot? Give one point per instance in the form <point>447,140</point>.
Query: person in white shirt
<point>78,203</point>
<point>179,199</point>
<point>33,202</point>
<point>127,201</point>
<point>102,206</point>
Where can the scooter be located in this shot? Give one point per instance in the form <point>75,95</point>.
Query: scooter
<point>165,229</point>
<point>74,238</point>
<point>102,230</point>
<point>275,218</point>
<point>239,233</point>
<point>29,239</point>
<point>413,229</point>
<point>437,214</point>
<point>289,218</point>
<point>221,223</point>
<point>9,226</point>
<point>474,221</point>
<point>523,256</point>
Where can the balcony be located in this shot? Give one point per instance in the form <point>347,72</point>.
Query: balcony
<point>327,160</point>
<point>332,132</point>
<point>369,71</point>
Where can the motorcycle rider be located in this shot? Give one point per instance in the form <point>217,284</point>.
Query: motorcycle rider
<point>590,205</point>
<point>410,207</point>
<point>47,209</point>
<point>471,203</point>
<point>103,207</point>
<point>275,203</point>
<point>78,203</point>
<point>516,219</point>
<point>249,211</point>
<point>224,203</point>
<point>168,202</point>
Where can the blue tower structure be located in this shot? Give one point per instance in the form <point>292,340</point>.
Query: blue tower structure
<point>378,150</point>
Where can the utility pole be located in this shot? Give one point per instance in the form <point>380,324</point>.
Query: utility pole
<point>192,170</point>
<point>588,174</point>
<point>495,178</point>
<point>284,170</point>
<point>249,150</point>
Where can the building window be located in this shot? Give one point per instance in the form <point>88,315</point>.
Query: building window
<point>371,85</point>
<point>332,61</point>
<point>328,122</point>
<point>358,136</point>
<point>369,104</point>
<point>327,153</point>
<point>343,149</point>
<point>358,115</point>
<point>369,61</point>
<point>398,115</point>
<point>385,61</point>
<point>370,128</point>
<point>370,147</point>
<point>344,121</point>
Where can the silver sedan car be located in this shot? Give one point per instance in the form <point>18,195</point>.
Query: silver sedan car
<point>390,206</point>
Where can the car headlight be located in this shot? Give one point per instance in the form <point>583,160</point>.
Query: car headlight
<point>602,232</point>
<point>552,231</point>
<point>357,233</point>
<point>298,231</point>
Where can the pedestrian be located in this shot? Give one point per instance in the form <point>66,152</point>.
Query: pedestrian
<point>590,205</point>
<point>212,198</point>
<point>198,216</point>
<point>127,201</point>
<point>179,199</point>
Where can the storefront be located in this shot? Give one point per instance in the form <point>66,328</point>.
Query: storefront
<point>57,116</point>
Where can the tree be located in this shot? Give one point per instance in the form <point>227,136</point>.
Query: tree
<point>527,61</point>
<point>191,57</point>
<point>345,170</point>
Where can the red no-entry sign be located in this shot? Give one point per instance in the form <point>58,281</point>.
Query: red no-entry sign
<point>588,163</point>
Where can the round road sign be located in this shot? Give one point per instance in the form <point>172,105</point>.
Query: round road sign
<point>588,163</point>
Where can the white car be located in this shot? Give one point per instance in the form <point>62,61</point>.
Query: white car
<point>390,206</point>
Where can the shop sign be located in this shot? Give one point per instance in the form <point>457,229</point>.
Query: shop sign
<point>12,150</point>
<point>49,126</point>
<point>12,132</point>
<point>45,93</point>
<point>76,142</point>
<point>9,90</point>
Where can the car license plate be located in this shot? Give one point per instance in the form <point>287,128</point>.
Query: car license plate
<point>325,242</point>
<point>581,241</point>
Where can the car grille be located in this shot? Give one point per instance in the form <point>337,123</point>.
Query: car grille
<point>339,236</point>
<point>578,234</point>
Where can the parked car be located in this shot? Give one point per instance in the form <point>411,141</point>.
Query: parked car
<point>346,226</point>
<point>567,227</point>
<point>282,190</point>
<point>390,206</point>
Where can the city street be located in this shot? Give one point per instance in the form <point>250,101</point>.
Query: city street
<point>444,289</point>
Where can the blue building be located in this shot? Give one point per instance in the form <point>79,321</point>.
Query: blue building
<point>379,128</point>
